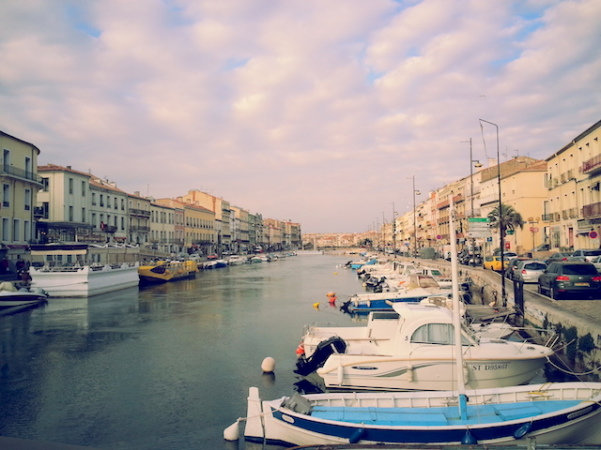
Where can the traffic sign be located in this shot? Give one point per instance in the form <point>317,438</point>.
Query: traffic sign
<point>478,227</point>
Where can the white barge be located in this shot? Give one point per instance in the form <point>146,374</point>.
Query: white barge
<point>83,270</point>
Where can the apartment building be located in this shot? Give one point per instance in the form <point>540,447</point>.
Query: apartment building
<point>222,210</point>
<point>20,181</point>
<point>139,219</point>
<point>572,211</point>
<point>108,212</point>
<point>162,228</point>
<point>64,204</point>
<point>240,230</point>
<point>173,237</point>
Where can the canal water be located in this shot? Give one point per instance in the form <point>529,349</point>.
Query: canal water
<point>164,367</point>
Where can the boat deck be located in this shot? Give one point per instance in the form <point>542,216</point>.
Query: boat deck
<point>440,416</point>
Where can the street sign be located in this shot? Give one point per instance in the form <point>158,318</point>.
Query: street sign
<point>478,227</point>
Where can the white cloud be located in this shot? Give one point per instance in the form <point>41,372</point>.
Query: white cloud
<point>318,111</point>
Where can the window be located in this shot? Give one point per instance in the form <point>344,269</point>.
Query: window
<point>6,160</point>
<point>93,198</point>
<point>26,230</point>
<point>83,215</point>
<point>46,210</point>
<point>70,185</point>
<point>27,167</point>
<point>6,195</point>
<point>27,199</point>
<point>70,213</point>
<point>5,229</point>
<point>16,228</point>
<point>45,184</point>
<point>101,200</point>
<point>83,188</point>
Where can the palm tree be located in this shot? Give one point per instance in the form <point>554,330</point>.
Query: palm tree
<point>509,217</point>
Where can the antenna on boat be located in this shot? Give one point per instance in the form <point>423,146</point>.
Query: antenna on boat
<point>456,313</point>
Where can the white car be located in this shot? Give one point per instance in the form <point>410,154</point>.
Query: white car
<point>597,263</point>
<point>587,255</point>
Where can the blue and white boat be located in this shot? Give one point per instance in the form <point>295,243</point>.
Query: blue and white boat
<point>414,289</point>
<point>552,413</point>
<point>367,302</point>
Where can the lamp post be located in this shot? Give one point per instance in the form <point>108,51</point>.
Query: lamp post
<point>501,224</point>
<point>393,229</point>
<point>415,192</point>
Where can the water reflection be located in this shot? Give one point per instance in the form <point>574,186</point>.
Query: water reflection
<point>166,366</point>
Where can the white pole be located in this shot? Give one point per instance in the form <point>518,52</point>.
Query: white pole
<point>456,312</point>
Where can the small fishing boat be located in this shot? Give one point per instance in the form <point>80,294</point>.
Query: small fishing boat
<point>551,413</point>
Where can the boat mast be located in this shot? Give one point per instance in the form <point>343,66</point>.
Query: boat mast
<point>456,312</point>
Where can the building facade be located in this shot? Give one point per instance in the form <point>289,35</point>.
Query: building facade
<point>20,183</point>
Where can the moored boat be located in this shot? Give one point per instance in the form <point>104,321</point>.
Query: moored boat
<point>82,270</point>
<point>551,413</point>
<point>166,271</point>
<point>413,349</point>
<point>11,296</point>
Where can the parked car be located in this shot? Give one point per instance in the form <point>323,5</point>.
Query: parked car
<point>587,255</point>
<point>563,278</point>
<point>560,256</point>
<point>494,263</point>
<point>512,266</point>
<point>510,255</point>
<point>528,270</point>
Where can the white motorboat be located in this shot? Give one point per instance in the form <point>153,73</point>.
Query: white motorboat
<point>236,260</point>
<point>412,349</point>
<point>82,270</point>
<point>11,296</point>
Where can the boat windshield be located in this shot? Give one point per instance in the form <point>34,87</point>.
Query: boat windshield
<point>439,334</point>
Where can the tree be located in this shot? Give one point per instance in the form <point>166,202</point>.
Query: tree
<point>510,218</point>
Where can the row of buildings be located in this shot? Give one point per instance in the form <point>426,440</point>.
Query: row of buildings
<point>51,203</point>
<point>558,198</point>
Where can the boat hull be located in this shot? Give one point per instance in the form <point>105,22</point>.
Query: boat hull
<point>389,373</point>
<point>84,281</point>
<point>494,416</point>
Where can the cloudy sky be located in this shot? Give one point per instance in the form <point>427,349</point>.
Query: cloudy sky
<point>315,111</point>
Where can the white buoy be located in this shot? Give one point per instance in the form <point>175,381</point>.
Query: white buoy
<point>232,433</point>
<point>268,364</point>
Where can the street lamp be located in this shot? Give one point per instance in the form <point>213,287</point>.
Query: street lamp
<point>415,192</point>
<point>501,224</point>
<point>393,228</point>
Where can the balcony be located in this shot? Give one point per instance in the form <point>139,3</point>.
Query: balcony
<point>592,165</point>
<point>20,174</point>
<point>592,211</point>
<point>139,212</point>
